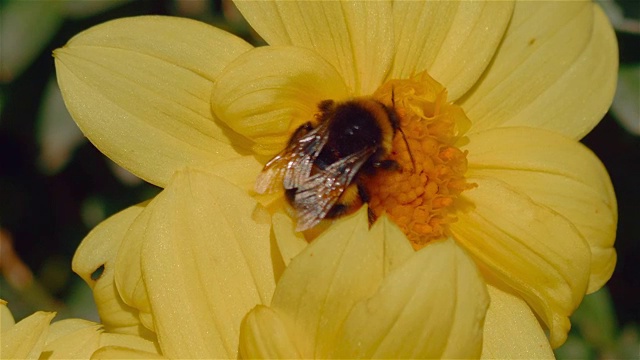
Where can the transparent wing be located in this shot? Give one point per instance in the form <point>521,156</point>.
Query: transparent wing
<point>292,166</point>
<point>309,147</point>
<point>272,173</point>
<point>316,196</point>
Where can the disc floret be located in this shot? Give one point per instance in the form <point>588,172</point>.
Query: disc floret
<point>421,197</point>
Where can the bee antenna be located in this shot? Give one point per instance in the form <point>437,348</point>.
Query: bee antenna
<point>404,137</point>
<point>393,98</point>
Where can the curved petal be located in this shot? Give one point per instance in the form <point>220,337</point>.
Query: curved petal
<point>321,285</point>
<point>268,92</point>
<point>557,173</point>
<point>129,341</point>
<point>290,243</point>
<point>241,172</point>
<point>26,339</point>
<point>371,296</point>
<point>120,352</point>
<point>78,339</point>
<point>354,36</point>
<point>264,335</point>
<point>128,273</point>
<point>432,306</point>
<point>454,41</point>
<point>511,330</point>
<point>560,76</point>
<point>527,246</point>
<point>96,256</point>
<point>397,248</point>
<point>6,317</point>
<point>204,259</point>
<point>139,88</point>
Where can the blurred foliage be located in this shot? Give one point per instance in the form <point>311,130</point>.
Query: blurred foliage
<point>596,333</point>
<point>55,186</point>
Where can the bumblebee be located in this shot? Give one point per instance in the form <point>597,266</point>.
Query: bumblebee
<point>324,161</point>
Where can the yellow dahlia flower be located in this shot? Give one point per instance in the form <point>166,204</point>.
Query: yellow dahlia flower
<point>503,91</point>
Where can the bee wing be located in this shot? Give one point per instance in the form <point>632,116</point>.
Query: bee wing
<point>306,153</point>
<point>293,165</point>
<point>316,196</point>
<point>272,173</point>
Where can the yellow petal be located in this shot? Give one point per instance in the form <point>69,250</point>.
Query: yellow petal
<point>528,246</point>
<point>432,306</point>
<point>96,255</point>
<point>205,261</point>
<point>558,173</point>
<point>128,273</point>
<point>560,76</point>
<point>25,339</point>
<point>130,342</point>
<point>241,172</point>
<point>6,318</point>
<point>453,41</point>
<point>332,300</point>
<point>73,339</point>
<point>268,92</point>
<point>356,36</point>
<point>305,297</point>
<point>321,285</point>
<point>78,339</point>
<point>264,335</point>
<point>139,88</point>
<point>511,330</point>
<point>119,352</point>
<point>290,242</point>
<point>397,249</point>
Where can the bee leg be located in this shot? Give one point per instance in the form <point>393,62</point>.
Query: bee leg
<point>372,216</point>
<point>388,164</point>
<point>364,196</point>
<point>290,195</point>
<point>336,211</point>
<point>363,193</point>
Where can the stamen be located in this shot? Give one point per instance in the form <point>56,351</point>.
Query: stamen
<point>421,198</point>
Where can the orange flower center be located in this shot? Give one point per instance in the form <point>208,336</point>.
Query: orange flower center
<point>420,197</point>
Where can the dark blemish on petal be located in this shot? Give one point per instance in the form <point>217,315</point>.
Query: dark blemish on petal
<point>97,273</point>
